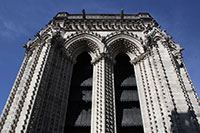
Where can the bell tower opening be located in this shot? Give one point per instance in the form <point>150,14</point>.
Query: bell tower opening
<point>78,117</point>
<point>128,115</point>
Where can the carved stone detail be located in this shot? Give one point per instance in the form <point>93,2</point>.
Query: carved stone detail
<point>98,118</point>
<point>110,115</point>
<point>104,111</point>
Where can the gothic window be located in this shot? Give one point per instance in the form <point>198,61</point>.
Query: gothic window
<point>128,115</point>
<point>78,115</point>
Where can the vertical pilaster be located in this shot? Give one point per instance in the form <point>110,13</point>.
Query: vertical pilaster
<point>163,94</point>
<point>36,116</point>
<point>64,94</point>
<point>154,96</point>
<point>110,115</point>
<point>166,90</point>
<point>182,104</point>
<point>143,98</point>
<point>149,98</point>
<point>98,98</point>
<point>103,105</point>
<point>33,88</point>
<point>55,92</point>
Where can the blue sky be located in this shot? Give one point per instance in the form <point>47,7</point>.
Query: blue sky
<point>21,19</point>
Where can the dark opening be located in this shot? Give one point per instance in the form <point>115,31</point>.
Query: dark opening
<point>127,103</point>
<point>78,115</point>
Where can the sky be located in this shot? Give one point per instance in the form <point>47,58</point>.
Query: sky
<point>22,19</point>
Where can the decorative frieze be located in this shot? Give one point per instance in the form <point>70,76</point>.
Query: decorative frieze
<point>103,22</point>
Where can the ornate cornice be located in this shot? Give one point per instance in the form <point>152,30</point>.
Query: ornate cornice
<point>66,15</point>
<point>87,23</point>
<point>102,22</point>
<point>103,25</point>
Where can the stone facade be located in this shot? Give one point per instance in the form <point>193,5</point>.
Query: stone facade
<point>38,100</point>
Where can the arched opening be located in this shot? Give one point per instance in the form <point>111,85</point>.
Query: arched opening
<point>128,115</point>
<point>78,115</point>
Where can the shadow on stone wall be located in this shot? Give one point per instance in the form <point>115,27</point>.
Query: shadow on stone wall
<point>184,123</point>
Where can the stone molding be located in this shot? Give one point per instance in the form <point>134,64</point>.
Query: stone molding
<point>102,22</point>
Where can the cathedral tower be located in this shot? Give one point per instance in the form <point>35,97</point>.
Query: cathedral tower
<point>102,73</point>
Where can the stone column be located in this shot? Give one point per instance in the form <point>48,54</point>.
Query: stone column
<point>110,113</point>
<point>143,98</point>
<point>98,98</point>
<point>103,105</point>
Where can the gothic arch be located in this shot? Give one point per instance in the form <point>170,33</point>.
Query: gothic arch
<point>126,96</point>
<point>126,43</point>
<point>80,96</point>
<point>83,42</point>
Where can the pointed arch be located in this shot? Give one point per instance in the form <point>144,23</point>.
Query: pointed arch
<point>129,44</point>
<point>83,42</point>
<point>128,114</point>
<point>78,113</point>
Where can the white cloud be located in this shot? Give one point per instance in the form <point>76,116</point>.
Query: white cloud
<point>11,29</point>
